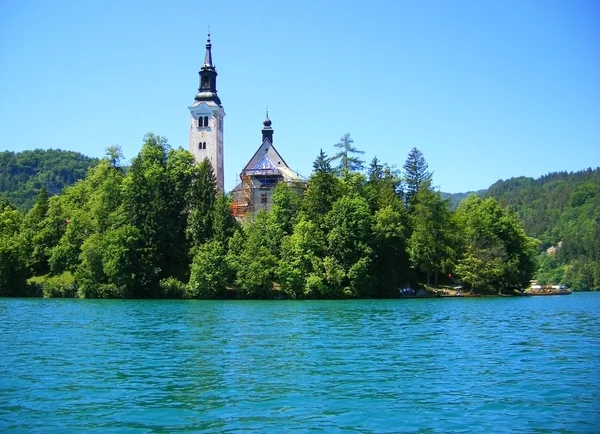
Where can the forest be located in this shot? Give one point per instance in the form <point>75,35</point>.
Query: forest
<point>23,174</point>
<point>161,229</point>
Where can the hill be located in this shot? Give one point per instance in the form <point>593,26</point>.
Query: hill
<point>24,174</point>
<point>561,210</point>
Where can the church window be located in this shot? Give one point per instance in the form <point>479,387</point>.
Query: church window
<point>200,122</point>
<point>204,145</point>
<point>205,121</point>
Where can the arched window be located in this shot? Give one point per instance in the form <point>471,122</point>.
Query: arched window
<point>200,122</point>
<point>205,121</point>
<point>204,145</point>
<point>200,145</point>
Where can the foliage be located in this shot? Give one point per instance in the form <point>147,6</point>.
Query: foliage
<point>24,174</point>
<point>324,188</point>
<point>415,173</point>
<point>13,265</point>
<point>562,210</point>
<point>162,229</point>
<point>210,274</point>
<point>347,156</point>
<point>429,246</point>
<point>60,286</point>
<point>497,254</point>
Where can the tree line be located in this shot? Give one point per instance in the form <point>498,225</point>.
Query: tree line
<point>24,174</point>
<point>162,229</point>
<point>562,210</point>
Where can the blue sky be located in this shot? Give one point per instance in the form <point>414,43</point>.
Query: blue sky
<point>487,90</point>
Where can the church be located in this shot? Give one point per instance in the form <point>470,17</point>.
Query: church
<point>265,168</point>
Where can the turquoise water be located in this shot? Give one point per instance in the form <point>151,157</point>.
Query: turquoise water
<point>480,365</point>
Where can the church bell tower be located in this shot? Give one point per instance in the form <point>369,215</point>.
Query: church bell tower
<point>206,119</point>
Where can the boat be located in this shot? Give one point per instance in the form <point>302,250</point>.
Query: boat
<point>536,289</point>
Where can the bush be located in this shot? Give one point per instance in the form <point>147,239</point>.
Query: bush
<point>171,288</point>
<point>61,286</point>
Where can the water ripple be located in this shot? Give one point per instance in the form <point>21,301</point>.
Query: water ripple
<point>501,365</point>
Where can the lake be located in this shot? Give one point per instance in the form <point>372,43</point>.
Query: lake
<point>526,364</point>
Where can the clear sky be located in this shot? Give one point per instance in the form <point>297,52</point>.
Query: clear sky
<point>486,89</point>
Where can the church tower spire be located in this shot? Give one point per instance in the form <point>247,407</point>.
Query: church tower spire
<point>206,119</point>
<point>208,77</point>
<point>267,131</point>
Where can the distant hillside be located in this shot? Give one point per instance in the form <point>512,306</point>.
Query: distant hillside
<point>457,198</point>
<point>23,174</point>
<point>562,210</point>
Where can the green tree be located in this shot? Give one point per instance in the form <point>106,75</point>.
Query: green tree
<point>65,255</point>
<point>124,262</point>
<point>391,264</point>
<point>42,229</point>
<point>286,204</point>
<point>223,223</point>
<point>301,257</point>
<point>114,154</point>
<point>155,202</point>
<point>257,264</point>
<point>416,173</point>
<point>210,273</point>
<point>203,196</point>
<point>349,246</point>
<point>13,266</point>
<point>347,156</point>
<point>497,254</point>
<point>90,273</point>
<point>322,191</point>
<point>429,244</point>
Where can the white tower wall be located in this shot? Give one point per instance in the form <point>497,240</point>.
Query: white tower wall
<point>207,141</point>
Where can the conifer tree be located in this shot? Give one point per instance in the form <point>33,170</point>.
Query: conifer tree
<point>347,156</point>
<point>415,173</point>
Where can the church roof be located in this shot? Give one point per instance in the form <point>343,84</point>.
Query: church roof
<point>264,164</point>
<point>267,160</point>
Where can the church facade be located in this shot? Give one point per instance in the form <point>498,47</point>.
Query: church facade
<point>259,177</point>
<point>265,169</point>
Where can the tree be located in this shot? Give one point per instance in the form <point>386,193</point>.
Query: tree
<point>286,204</point>
<point>155,202</point>
<point>497,254</point>
<point>210,274</point>
<point>415,173</point>
<point>24,174</point>
<point>256,266</point>
<point>323,189</point>
<point>125,264</point>
<point>42,228</point>
<point>114,155</point>
<point>203,196</point>
<point>429,245</point>
<point>65,255</point>
<point>349,237</point>
<point>301,257</point>
<point>384,186</point>
<point>347,156</point>
<point>223,223</point>
<point>391,264</point>
<point>13,267</point>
